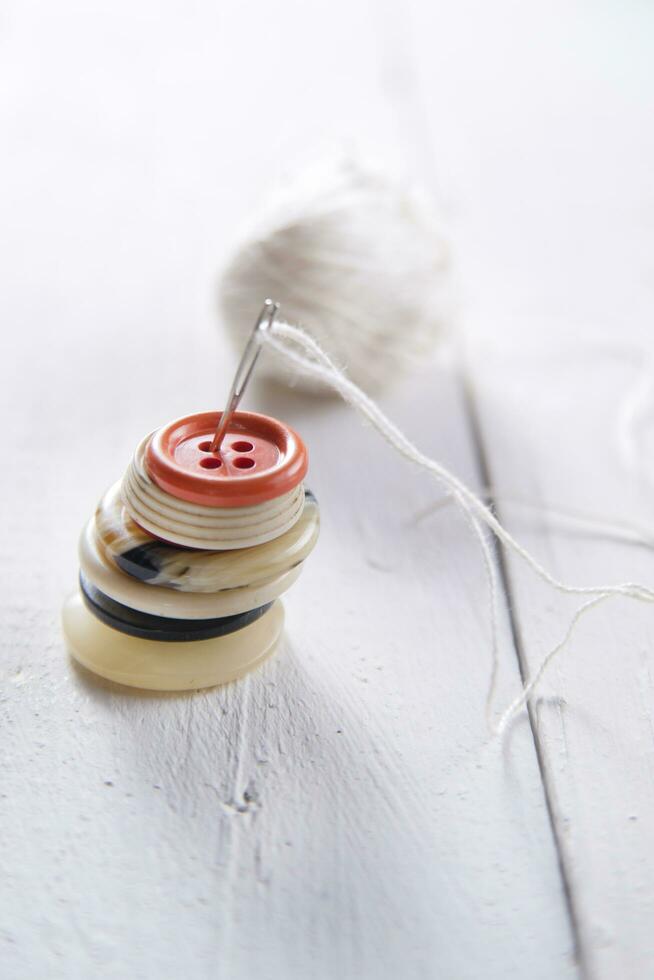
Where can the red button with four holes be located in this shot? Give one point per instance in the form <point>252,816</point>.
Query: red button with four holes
<point>260,458</point>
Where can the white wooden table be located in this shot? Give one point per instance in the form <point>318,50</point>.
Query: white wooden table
<point>337,814</point>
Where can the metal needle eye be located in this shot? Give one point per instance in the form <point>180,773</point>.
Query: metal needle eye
<point>244,370</point>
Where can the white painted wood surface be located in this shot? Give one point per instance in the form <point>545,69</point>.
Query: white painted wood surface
<point>336,814</point>
<point>557,239</point>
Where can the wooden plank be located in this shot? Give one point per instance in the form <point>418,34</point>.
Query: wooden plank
<point>334,814</point>
<point>594,710</point>
<point>553,164</point>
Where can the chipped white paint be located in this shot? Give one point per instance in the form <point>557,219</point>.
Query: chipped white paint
<point>334,814</point>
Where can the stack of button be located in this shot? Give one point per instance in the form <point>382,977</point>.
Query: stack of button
<point>183,563</point>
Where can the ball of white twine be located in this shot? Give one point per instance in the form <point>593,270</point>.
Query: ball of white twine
<point>357,258</point>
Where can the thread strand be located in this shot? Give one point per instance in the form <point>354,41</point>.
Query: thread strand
<point>304,353</point>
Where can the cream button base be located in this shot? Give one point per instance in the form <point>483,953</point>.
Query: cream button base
<point>156,666</point>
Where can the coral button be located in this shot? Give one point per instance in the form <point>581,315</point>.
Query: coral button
<point>260,458</point>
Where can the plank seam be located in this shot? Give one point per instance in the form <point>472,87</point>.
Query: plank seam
<point>483,465</point>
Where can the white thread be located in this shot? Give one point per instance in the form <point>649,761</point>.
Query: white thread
<point>350,252</point>
<point>308,356</point>
<point>612,528</point>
